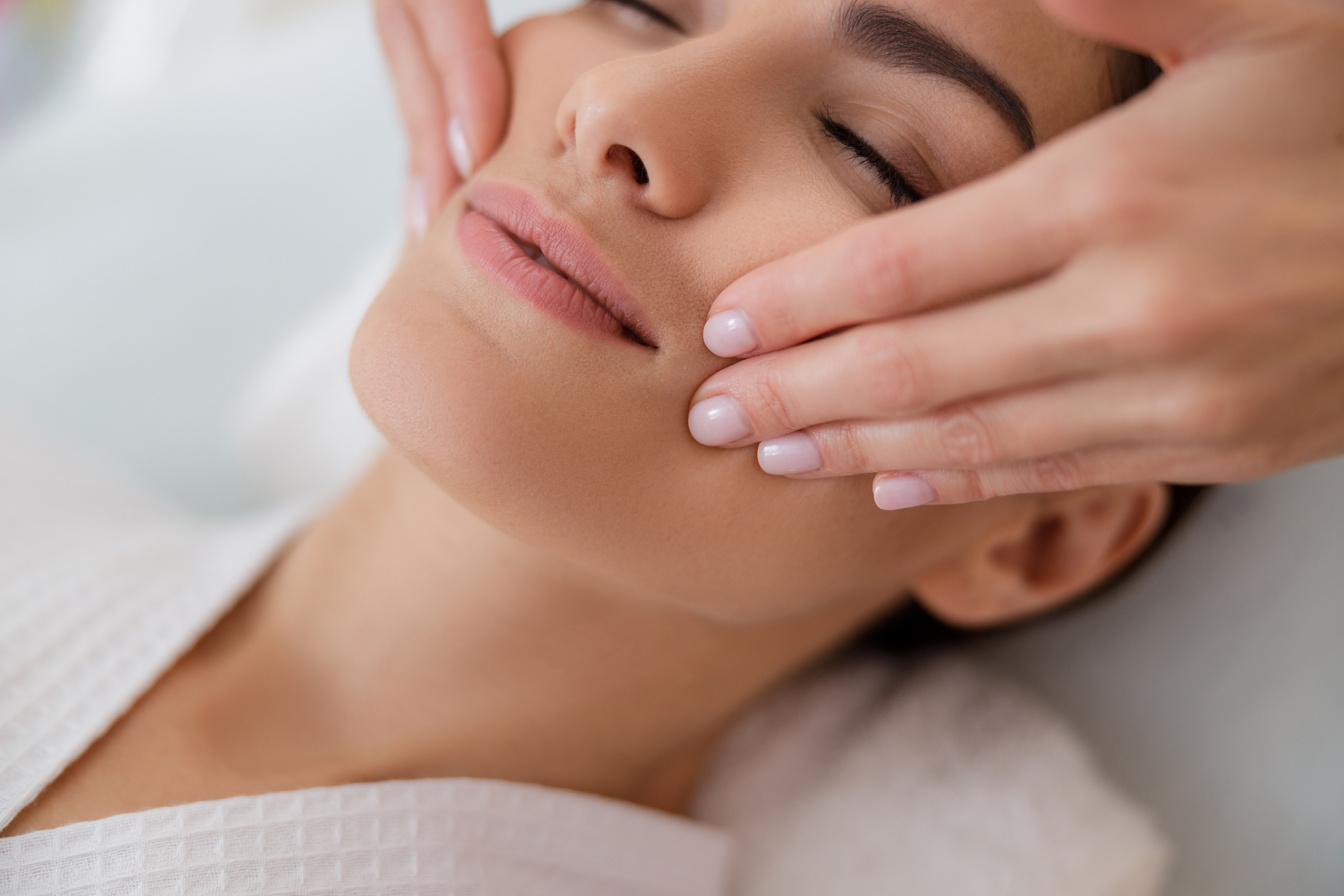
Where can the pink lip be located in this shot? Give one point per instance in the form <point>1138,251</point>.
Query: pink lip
<point>585,293</point>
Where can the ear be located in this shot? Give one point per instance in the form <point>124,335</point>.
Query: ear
<point>1061,547</point>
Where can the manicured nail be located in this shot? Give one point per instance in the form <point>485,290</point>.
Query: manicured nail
<point>789,455</point>
<point>719,421</point>
<point>417,207</point>
<point>459,148</point>
<point>902,492</point>
<point>729,334</point>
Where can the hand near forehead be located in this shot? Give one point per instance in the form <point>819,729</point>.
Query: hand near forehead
<point>1156,295</point>
<point>452,89</point>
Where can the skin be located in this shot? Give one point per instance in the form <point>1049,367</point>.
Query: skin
<point>1184,318</point>
<point>523,588</point>
<point>1170,280</point>
<point>447,64</point>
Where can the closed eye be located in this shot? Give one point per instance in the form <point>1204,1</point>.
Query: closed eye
<point>897,184</point>
<point>653,13</point>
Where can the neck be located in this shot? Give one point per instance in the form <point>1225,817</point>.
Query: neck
<point>402,637</point>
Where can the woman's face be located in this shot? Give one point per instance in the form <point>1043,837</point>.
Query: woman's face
<point>655,154</point>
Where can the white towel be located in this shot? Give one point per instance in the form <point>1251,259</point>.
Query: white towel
<point>925,780</point>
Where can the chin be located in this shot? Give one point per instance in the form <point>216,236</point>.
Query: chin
<point>539,434</point>
<point>515,425</point>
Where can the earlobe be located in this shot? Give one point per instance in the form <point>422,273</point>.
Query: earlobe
<point>1058,549</point>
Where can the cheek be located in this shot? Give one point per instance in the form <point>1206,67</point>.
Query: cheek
<point>569,447</point>
<point>559,450</point>
<point>510,411</point>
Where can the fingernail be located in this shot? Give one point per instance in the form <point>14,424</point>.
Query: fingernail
<point>459,148</point>
<point>789,455</point>
<point>719,421</point>
<point>417,208</point>
<point>902,492</point>
<point>729,334</point>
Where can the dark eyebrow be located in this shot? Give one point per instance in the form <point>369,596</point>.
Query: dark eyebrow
<point>896,40</point>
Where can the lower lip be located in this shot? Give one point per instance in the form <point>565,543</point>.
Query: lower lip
<point>497,253</point>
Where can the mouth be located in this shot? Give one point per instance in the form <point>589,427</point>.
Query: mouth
<point>548,262</point>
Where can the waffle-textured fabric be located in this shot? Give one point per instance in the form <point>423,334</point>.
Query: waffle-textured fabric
<point>102,590</point>
<point>864,779</point>
<point>452,837</point>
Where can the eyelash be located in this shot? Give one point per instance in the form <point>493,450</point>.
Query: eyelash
<point>901,191</point>
<point>653,13</point>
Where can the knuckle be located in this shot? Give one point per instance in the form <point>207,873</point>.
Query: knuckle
<point>1214,414</point>
<point>893,372</point>
<point>970,487</point>
<point>965,439</point>
<point>765,402</point>
<point>883,278</point>
<point>845,449</point>
<point>1115,196</point>
<point>1159,314</point>
<point>1056,473</point>
<point>778,320</point>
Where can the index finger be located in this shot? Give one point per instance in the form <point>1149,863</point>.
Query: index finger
<point>466,53</point>
<point>1000,232</point>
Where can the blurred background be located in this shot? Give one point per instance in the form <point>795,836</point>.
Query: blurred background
<point>63,49</point>
<point>181,183</point>
<point>187,184</point>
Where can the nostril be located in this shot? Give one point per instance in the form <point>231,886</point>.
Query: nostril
<point>625,155</point>
<point>641,173</point>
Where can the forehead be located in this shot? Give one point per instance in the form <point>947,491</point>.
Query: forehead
<point>1061,78</point>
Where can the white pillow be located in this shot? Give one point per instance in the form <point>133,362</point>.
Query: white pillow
<point>868,778</point>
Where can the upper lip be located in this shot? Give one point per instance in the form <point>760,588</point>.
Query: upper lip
<point>565,246</point>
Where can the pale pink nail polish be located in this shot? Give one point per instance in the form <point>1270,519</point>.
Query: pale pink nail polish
<point>730,334</point>
<point>417,208</point>
<point>718,421</point>
<point>902,492</point>
<point>789,455</point>
<point>460,149</point>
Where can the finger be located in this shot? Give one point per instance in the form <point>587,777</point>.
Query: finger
<point>421,103</point>
<point>1000,232</point>
<point>1107,465</point>
<point>1004,429</point>
<point>467,55</point>
<point>1169,31</point>
<point>1216,414</point>
<point>903,367</point>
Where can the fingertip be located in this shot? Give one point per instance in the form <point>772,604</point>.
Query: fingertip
<point>459,148</point>
<point>731,334</point>
<point>902,491</point>
<point>480,102</point>
<point>416,207</point>
<point>718,421</point>
<point>795,454</point>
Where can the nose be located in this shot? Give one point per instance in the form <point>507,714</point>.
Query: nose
<point>629,123</point>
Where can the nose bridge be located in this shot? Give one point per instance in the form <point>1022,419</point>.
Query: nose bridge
<point>683,113</point>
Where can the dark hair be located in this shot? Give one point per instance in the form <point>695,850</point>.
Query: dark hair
<point>1131,74</point>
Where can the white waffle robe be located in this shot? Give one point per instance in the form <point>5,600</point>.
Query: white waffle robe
<point>864,778</point>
